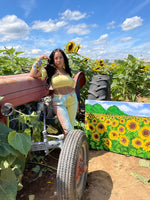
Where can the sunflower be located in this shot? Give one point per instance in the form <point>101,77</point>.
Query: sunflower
<point>105,73</point>
<point>122,121</point>
<point>112,117</point>
<point>144,132</point>
<point>137,143</point>
<point>96,61</point>
<point>108,143</point>
<point>147,67</point>
<point>97,68</point>
<point>113,66</point>
<point>96,136</point>
<point>146,145</point>
<point>86,114</point>
<point>132,125</point>
<point>77,49</point>
<point>113,135</point>
<point>86,59</point>
<point>91,116</point>
<point>114,123</point>
<point>121,129</point>
<point>146,121</point>
<point>100,127</point>
<point>101,62</point>
<point>102,118</point>
<point>94,121</point>
<point>124,140</point>
<point>86,122</point>
<point>138,119</point>
<point>107,122</point>
<point>91,127</point>
<point>70,46</point>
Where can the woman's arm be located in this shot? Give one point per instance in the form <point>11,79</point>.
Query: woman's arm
<point>35,73</point>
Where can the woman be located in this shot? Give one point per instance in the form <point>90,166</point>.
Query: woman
<point>59,76</point>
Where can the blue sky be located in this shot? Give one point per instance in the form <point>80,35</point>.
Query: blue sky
<point>105,29</point>
<point>130,108</point>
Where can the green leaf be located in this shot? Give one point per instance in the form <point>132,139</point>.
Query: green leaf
<point>8,185</point>
<point>144,163</point>
<point>2,51</point>
<point>6,162</point>
<point>36,169</point>
<point>5,148</point>
<point>20,142</point>
<point>143,179</point>
<point>18,52</point>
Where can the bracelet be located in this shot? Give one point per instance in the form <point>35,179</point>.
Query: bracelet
<point>37,64</point>
<point>34,66</point>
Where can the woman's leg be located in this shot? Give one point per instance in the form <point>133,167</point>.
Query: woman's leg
<point>72,105</point>
<point>65,107</point>
<point>59,104</point>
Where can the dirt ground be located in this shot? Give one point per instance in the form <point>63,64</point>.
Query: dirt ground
<point>111,176</point>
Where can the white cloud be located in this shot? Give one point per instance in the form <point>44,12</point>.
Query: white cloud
<point>145,111</point>
<point>124,108</point>
<point>135,105</point>
<point>105,105</point>
<point>48,26</point>
<point>94,25</point>
<point>51,41</point>
<point>35,51</point>
<point>28,5</point>
<point>102,52</point>
<point>72,15</point>
<point>80,29</point>
<point>11,27</point>
<point>131,23</point>
<point>101,39</point>
<point>77,40</point>
<point>17,47</point>
<point>126,39</point>
<point>111,25</point>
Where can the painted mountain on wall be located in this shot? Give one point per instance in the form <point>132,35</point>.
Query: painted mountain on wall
<point>97,108</point>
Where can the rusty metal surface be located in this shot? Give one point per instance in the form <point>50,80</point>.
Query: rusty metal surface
<point>21,89</point>
<point>80,80</point>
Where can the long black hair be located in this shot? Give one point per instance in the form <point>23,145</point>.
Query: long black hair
<point>51,69</point>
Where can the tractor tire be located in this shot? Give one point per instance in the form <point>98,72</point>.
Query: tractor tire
<point>99,88</point>
<point>72,170</point>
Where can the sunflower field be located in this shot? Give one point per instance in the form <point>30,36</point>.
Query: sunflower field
<point>129,78</point>
<point>123,134</point>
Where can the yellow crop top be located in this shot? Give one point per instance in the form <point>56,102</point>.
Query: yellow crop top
<point>59,81</point>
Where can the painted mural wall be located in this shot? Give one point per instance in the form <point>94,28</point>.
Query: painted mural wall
<point>121,127</point>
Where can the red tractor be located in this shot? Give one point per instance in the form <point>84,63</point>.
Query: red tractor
<point>22,90</point>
